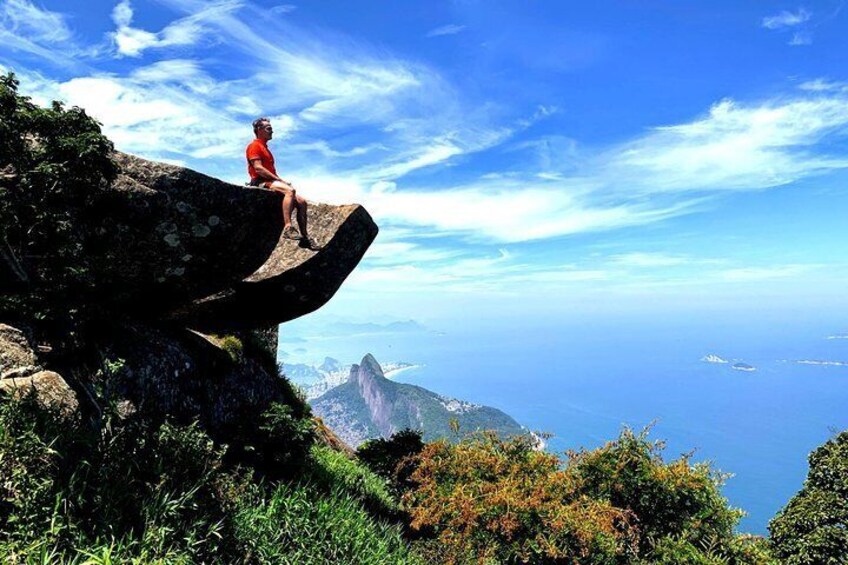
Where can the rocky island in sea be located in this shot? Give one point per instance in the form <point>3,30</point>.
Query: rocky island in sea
<point>713,358</point>
<point>743,367</point>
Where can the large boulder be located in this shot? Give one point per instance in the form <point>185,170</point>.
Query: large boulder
<point>21,374</point>
<point>164,235</point>
<point>17,357</point>
<point>49,388</point>
<point>293,281</point>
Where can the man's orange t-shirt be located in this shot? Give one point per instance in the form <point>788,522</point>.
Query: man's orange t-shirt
<point>258,149</point>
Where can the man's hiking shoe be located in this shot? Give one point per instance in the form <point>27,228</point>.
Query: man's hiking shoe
<point>310,243</point>
<point>291,233</point>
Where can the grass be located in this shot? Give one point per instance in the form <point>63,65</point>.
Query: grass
<point>301,524</point>
<point>133,493</point>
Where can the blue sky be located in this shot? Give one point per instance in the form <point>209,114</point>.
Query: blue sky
<point>533,160</point>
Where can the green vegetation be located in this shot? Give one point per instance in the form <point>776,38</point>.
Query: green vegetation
<point>129,493</point>
<point>813,528</point>
<point>392,458</point>
<point>506,503</point>
<point>52,163</point>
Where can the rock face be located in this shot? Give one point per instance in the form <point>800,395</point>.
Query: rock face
<point>21,375</point>
<point>369,405</point>
<point>17,358</point>
<point>186,376</point>
<point>168,235</point>
<point>48,387</point>
<point>293,281</point>
<point>209,255</point>
<point>173,251</point>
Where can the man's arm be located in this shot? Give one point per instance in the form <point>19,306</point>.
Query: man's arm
<point>265,174</point>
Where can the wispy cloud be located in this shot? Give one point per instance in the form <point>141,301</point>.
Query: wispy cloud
<point>283,9</point>
<point>364,125</point>
<point>801,38</point>
<point>736,147</point>
<point>786,19</point>
<point>754,274</point>
<point>39,25</point>
<point>799,23</point>
<point>132,42</point>
<point>32,29</point>
<point>823,85</point>
<point>449,29</point>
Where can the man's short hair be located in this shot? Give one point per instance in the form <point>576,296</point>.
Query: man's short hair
<point>257,123</point>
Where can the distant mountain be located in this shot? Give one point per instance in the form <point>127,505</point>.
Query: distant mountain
<point>743,367</point>
<point>316,380</point>
<point>368,405</point>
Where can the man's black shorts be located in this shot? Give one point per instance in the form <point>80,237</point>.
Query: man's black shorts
<point>258,182</point>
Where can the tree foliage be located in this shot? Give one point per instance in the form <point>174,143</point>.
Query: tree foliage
<point>497,500</point>
<point>813,527</point>
<point>392,458</point>
<point>53,163</point>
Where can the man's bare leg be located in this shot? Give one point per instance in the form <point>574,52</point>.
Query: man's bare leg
<point>300,205</point>
<point>289,201</point>
<point>288,204</point>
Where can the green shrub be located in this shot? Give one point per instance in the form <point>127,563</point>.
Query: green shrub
<point>53,163</point>
<point>232,345</point>
<point>123,489</point>
<point>283,440</point>
<point>503,502</point>
<point>500,500</point>
<point>675,499</point>
<point>391,458</point>
<point>813,527</point>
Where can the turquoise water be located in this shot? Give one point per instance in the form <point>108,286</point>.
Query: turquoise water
<point>584,384</point>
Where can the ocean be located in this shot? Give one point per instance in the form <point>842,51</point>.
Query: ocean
<point>583,384</point>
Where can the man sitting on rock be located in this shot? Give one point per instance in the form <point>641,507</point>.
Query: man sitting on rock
<point>260,167</point>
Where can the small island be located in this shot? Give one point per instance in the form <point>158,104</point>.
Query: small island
<point>713,358</point>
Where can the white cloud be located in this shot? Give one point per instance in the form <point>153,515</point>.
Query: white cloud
<point>31,29</point>
<point>823,85</point>
<point>146,115</point>
<point>283,9</point>
<point>21,17</point>
<point>132,42</point>
<point>449,29</point>
<point>786,19</point>
<point>182,72</point>
<point>735,147</point>
<point>801,38</point>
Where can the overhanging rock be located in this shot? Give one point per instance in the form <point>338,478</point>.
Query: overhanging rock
<point>165,235</point>
<point>293,281</point>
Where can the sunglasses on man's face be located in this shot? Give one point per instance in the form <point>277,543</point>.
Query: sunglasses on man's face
<point>268,128</point>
